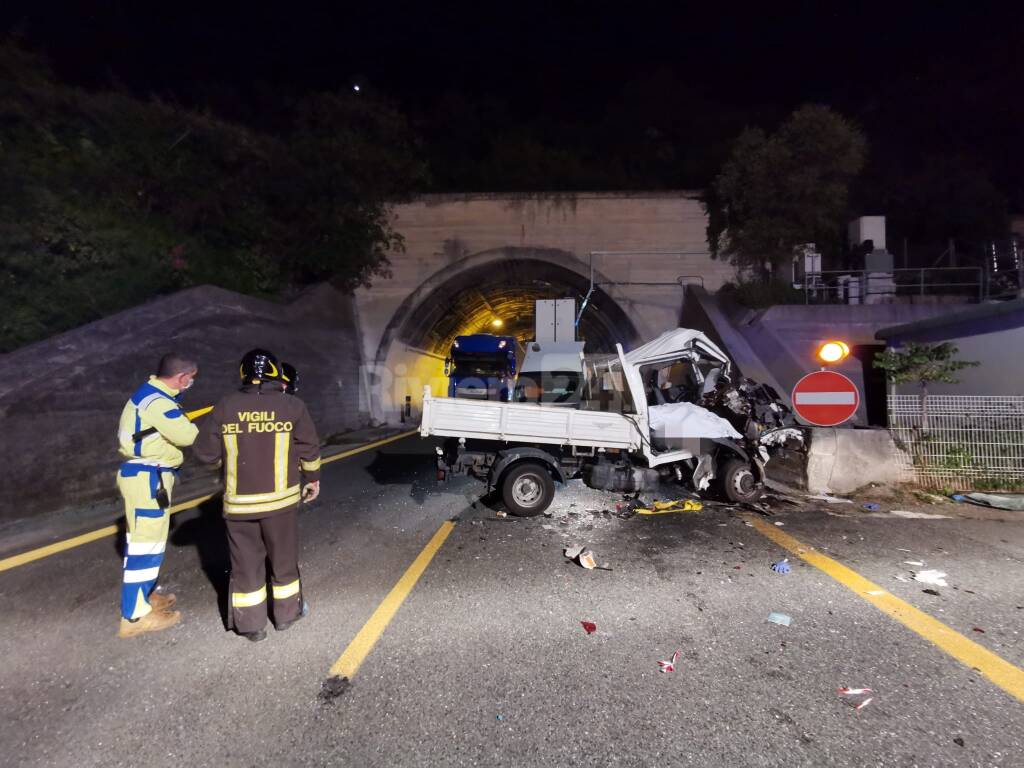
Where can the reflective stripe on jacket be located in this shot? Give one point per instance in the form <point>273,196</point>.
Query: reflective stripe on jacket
<point>267,443</point>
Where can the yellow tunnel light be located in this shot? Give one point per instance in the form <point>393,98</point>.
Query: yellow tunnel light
<point>497,322</point>
<point>832,352</point>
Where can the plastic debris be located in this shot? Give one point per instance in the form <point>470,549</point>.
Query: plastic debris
<point>582,556</point>
<point>782,566</point>
<point>670,507</point>
<point>912,562</point>
<point>501,513</point>
<point>958,741</point>
<point>500,718</point>
<point>669,665</point>
<point>871,506</point>
<point>1013,502</point>
<point>589,627</point>
<point>933,592</point>
<point>844,691</point>
<point>978,629</point>
<point>780,618</point>
<point>931,576</point>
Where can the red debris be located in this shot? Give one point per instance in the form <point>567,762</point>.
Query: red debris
<point>589,627</point>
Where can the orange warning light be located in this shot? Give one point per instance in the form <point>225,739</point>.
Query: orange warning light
<point>832,352</point>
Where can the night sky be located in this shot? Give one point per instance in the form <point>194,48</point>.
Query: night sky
<point>942,77</point>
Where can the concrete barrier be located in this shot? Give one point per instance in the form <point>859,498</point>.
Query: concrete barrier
<point>842,460</point>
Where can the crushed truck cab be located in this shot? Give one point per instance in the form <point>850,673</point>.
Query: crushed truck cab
<point>667,411</point>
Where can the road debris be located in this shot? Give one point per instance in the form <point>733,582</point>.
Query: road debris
<point>931,576</point>
<point>780,524</point>
<point>782,566</point>
<point>780,618</point>
<point>501,513</point>
<point>875,592</point>
<point>917,515</point>
<point>828,498</point>
<point>958,741</point>
<point>589,627</point>
<point>333,687</point>
<point>669,665</point>
<point>584,557</point>
<point>669,507</point>
<point>978,630</point>
<point>870,506</point>
<point>500,718</point>
<point>857,692</point>
<point>1013,502</point>
<point>933,592</point>
<point>913,562</point>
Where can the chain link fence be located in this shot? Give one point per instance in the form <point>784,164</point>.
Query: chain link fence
<point>963,442</point>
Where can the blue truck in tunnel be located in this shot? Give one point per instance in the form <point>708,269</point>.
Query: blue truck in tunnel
<point>481,367</point>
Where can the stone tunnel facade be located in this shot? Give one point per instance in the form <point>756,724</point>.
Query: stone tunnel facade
<point>469,259</point>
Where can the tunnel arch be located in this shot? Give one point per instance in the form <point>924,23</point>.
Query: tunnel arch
<point>503,283</point>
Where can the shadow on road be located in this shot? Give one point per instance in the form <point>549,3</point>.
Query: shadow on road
<point>417,469</point>
<point>208,534</point>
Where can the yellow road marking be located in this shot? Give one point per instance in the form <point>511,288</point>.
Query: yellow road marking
<point>369,446</point>
<point>1001,672</point>
<point>32,555</point>
<point>352,657</point>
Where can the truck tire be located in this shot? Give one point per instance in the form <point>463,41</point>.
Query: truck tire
<point>527,489</point>
<point>739,483</point>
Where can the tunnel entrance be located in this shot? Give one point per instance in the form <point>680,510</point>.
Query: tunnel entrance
<point>498,297</point>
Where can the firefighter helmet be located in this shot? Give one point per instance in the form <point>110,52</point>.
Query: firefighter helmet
<point>259,365</point>
<point>290,377</point>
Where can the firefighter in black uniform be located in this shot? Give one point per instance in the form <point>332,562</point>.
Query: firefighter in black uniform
<point>267,443</point>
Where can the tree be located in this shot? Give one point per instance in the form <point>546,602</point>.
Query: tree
<point>107,200</point>
<point>923,363</point>
<point>778,191</point>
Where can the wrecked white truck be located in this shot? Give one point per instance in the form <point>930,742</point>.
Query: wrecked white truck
<point>665,412</point>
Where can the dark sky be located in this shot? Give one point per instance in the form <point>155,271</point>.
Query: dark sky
<point>944,73</point>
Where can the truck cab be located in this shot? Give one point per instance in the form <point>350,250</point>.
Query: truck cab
<point>481,367</point>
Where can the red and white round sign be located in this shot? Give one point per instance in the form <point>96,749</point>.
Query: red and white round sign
<point>825,398</point>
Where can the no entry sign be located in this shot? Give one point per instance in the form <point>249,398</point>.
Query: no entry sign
<point>825,398</point>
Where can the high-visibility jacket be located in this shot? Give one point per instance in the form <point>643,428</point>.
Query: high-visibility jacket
<point>267,443</point>
<point>154,404</point>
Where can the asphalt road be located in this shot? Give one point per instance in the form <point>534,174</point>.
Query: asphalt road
<point>486,663</point>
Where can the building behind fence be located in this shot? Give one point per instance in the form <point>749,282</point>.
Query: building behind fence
<point>967,442</point>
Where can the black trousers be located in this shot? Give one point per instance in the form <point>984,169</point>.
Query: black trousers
<point>252,543</point>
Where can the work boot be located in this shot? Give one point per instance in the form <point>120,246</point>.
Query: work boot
<point>161,602</point>
<point>153,621</point>
<point>254,637</point>
<point>284,625</point>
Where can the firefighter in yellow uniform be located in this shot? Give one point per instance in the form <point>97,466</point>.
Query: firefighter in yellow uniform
<point>269,446</point>
<point>152,432</point>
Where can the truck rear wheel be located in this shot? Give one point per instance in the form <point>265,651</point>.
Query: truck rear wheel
<point>739,483</point>
<point>527,489</point>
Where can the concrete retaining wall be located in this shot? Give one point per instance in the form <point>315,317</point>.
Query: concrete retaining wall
<point>60,399</point>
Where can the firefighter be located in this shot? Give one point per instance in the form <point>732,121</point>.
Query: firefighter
<point>146,479</point>
<point>291,378</point>
<point>271,457</point>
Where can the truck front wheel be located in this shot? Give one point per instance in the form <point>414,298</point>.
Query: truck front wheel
<point>739,483</point>
<point>527,489</point>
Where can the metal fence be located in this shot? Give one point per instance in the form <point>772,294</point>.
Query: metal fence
<point>963,441</point>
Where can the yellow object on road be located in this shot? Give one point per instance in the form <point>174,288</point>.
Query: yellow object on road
<point>669,507</point>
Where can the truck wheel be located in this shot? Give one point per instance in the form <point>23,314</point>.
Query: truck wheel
<point>527,489</point>
<point>739,483</point>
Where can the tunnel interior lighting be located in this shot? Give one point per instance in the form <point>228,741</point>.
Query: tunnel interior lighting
<point>832,352</point>
<point>497,322</point>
